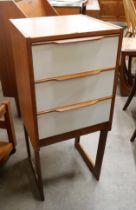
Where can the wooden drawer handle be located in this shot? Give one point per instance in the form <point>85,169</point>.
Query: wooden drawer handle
<point>75,106</point>
<point>73,76</point>
<point>68,41</point>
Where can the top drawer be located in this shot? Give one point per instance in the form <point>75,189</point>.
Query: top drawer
<point>55,59</point>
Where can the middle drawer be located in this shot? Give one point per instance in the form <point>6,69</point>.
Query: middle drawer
<point>53,94</point>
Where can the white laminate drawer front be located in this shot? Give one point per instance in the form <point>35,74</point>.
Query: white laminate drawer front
<point>56,123</point>
<point>51,60</point>
<point>60,93</point>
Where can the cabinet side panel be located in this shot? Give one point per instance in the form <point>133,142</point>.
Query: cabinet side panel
<point>24,77</point>
<point>8,9</point>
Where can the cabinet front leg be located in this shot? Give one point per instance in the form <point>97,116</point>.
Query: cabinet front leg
<point>39,174</point>
<point>36,165</point>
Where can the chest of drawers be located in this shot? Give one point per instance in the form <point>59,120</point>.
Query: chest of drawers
<point>66,71</point>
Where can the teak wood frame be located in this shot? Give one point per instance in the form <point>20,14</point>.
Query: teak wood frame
<point>29,110</point>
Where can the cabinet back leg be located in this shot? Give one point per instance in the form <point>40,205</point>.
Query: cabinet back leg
<point>95,168</point>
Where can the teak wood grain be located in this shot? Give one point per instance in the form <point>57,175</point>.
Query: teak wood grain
<point>56,29</point>
<point>36,8</point>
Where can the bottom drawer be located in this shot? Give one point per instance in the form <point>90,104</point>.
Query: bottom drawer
<point>55,123</point>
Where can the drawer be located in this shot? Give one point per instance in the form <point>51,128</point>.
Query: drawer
<point>55,123</point>
<point>53,59</point>
<point>53,94</point>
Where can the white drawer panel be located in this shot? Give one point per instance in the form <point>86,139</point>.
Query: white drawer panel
<point>51,60</point>
<point>58,123</point>
<point>60,93</point>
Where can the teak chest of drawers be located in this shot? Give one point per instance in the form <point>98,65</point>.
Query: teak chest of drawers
<point>66,71</point>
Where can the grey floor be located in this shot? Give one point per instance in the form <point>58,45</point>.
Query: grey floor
<point>68,184</point>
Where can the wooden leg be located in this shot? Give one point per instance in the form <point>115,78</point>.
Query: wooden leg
<point>100,153</point>
<point>132,93</point>
<point>27,143</point>
<point>39,175</point>
<point>95,168</point>
<point>36,166</point>
<point>133,136</point>
<point>10,126</point>
<point>77,140</point>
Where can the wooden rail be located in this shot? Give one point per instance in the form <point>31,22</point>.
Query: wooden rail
<point>75,106</point>
<point>73,76</point>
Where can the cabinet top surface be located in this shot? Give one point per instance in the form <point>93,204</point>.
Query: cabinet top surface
<point>59,26</point>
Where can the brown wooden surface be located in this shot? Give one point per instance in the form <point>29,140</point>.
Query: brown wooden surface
<point>5,150</point>
<point>36,8</point>
<point>68,10</point>
<point>112,10</point>
<point>6,122</point>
